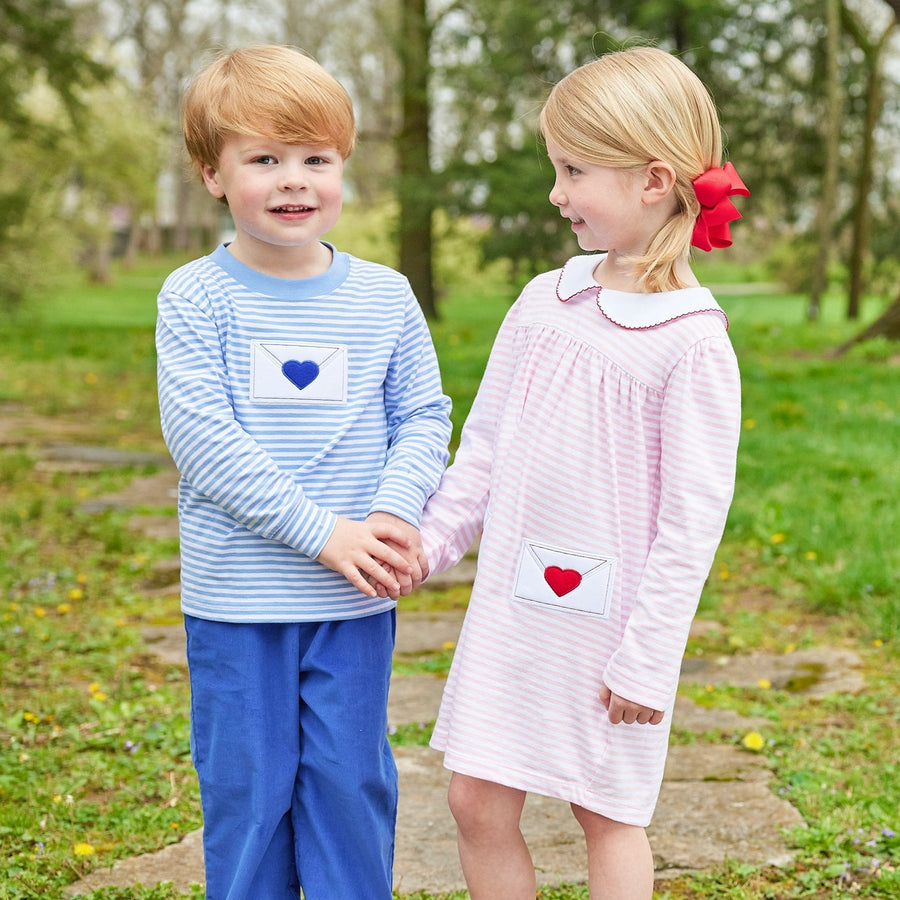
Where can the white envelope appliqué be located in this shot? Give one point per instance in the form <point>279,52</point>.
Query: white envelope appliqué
<point>565,579</point>
<point>298,372</point>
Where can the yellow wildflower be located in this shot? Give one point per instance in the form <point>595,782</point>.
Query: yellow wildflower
<point>754,741</point>
<point>764,683</point>
<point>82,848</point>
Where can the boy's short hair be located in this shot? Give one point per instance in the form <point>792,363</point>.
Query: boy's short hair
<point>271,91</point>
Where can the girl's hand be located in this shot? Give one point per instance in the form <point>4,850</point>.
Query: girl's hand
<point>411,551</point>
<point>622,710</point>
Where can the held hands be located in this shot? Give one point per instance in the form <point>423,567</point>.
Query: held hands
<point>364,553</point>
<point>622,710</point>
<point>410,548</point>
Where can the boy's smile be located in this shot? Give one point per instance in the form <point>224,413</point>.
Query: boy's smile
<point>282,197</point>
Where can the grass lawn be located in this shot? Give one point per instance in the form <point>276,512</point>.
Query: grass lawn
<point>94,755</point>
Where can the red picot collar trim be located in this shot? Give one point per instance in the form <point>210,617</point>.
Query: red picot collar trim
<point>630,310</point>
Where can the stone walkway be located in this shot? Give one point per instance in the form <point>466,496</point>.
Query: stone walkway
<point>716,801</point>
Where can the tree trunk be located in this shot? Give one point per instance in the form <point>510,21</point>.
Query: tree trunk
<point>832,137</point>
<point>862,216</point>
<point>886,325</point>
<point>873,52</point>
<point>416,193</point>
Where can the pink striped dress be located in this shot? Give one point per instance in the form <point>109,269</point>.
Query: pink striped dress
<point>598,459</point>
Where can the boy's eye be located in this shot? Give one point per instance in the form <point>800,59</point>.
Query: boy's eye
<point>316,161</point>
<point>264,160</point>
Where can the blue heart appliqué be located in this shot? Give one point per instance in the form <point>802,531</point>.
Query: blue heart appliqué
<point>300,374</point>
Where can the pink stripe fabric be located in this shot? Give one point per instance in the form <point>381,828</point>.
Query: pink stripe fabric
<point>613,442</point>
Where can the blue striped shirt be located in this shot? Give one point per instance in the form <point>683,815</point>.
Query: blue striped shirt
<point>286,403</point>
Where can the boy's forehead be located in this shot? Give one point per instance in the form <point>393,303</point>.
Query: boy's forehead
<point>263,133</point>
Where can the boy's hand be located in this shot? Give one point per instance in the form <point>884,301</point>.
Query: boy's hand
<point>411,550</point>
<point>359,552</point>
<point>622,710</point>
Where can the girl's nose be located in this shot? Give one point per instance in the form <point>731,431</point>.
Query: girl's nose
<point>557,196</point>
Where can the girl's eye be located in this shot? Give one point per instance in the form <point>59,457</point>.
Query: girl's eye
<point>572,170</point>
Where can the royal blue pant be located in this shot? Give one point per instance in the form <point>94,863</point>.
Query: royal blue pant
<point>289,738</point>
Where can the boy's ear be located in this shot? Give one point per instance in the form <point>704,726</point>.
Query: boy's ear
<point>659,181</point>
<point>210,176</point>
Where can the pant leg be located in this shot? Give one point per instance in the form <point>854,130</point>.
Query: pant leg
<point>246,749</point>
<point>345,805</point>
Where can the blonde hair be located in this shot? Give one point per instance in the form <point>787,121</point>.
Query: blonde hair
<point>268,91</point>
<point>631,107</point>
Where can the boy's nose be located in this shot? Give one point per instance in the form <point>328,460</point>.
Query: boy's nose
<point>293,178</point>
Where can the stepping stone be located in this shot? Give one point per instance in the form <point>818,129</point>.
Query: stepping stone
<point>814,673</point>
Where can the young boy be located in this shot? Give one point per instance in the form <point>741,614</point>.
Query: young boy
<point>301,401</point>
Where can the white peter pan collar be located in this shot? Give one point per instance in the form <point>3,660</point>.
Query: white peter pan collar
<point>629,310</point>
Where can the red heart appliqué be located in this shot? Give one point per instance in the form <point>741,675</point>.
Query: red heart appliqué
<point>561,581</point>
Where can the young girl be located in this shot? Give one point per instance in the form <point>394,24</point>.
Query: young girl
<point>599,461</point>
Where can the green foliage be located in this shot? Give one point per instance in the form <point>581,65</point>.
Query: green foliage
<point>42,71</point>
<point>36,246</point>
<point>791,262</point>
<point>511,194</point>
<point>39,38</point>
<point>73,143</point>
<point>416,734</point>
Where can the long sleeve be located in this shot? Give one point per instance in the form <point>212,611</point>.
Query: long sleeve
<point>454,516</point>
<point>699,432</point>
<point>418,423</point>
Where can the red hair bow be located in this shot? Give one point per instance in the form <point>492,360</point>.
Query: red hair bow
<point>713,188</point>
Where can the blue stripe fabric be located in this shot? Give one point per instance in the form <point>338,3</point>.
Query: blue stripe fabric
<point>268,461</point>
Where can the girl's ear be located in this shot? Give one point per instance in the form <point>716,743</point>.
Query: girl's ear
<point>659,180</point>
